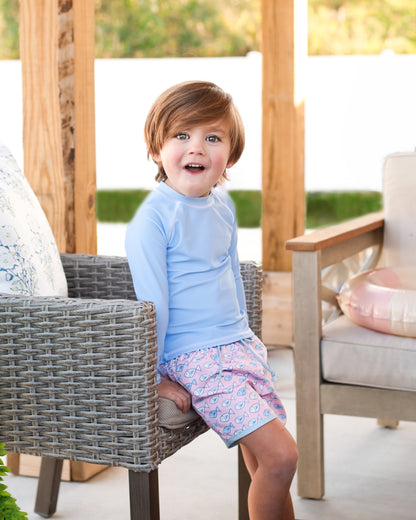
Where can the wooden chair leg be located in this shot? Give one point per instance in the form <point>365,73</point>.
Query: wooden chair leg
<point>244,482</point>
<point>306,268</point>
<point>311,470</point>
<point>48,486</point>
<point>144,495</point>
<point>386,423</point>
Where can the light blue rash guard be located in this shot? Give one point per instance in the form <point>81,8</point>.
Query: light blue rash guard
<point>182,253</point>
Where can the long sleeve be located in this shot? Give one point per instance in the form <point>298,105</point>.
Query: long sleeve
<point>235,263</point>
<point>146,253</point>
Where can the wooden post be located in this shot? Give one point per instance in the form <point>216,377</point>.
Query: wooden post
<point>57,56</point>
<point>284,50</point>
<point>84,97</point>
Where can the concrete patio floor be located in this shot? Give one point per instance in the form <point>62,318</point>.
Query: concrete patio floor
<point>370,471</point>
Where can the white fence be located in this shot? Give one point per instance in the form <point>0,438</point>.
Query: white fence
<point>358,109</point>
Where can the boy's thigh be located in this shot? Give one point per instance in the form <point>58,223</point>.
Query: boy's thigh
<point>232,392</point>
<point>237,409</point>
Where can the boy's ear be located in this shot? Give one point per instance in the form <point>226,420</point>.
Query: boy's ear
<point>230,164</point>
<point>154,156</point>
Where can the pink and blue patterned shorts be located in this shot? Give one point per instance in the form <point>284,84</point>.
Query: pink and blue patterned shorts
<point>231,387</point>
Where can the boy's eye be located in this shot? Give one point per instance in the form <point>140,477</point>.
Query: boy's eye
<point>213,138</point>
<point>181,136</point>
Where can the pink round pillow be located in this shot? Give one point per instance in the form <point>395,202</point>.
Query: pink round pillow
<point>382,299</point>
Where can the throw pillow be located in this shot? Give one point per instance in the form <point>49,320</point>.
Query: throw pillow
<point>29,258</point>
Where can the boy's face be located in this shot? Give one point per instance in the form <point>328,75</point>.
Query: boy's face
<point>195,158</point>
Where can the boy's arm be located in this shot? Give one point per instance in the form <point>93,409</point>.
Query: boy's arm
<point>145,246</point>
<point>236,265</point>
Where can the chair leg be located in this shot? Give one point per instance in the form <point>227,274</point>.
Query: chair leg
<point>48,486</point>
<point>144,495</point>
<point>387,423</point>
<point>244,482</point>
<point>311,472</point>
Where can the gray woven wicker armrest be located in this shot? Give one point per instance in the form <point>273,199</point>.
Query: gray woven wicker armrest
<point>78,378</point>
<point>252,275</point>
<point>98,276</point>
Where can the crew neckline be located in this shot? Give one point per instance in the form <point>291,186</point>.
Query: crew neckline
<point>193,201</point>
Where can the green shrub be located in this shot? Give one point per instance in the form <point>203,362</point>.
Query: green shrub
<point>121,205</point>
<point>9,510</point>
<point>118,205</point>
<point>248,207</point>
<point>322,208</point>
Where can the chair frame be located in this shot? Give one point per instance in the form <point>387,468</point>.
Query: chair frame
<point>79,380</point>
<point>315,397</point>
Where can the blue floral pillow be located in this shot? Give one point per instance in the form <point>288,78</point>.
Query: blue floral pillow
<point>29,259</point>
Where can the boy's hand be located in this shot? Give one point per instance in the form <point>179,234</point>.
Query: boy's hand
<point>176,393</point>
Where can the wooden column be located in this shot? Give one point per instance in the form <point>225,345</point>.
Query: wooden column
<point>284,52</point>
<point>57,56</point>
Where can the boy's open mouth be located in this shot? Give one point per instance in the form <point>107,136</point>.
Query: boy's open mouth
<point>195,168</point>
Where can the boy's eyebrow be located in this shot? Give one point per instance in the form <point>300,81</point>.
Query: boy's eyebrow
<point>210,128</point>
<point>217,129</point>
<point>214,129</point>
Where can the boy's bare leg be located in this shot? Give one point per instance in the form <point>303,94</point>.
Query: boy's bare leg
<point>250,460</point>
<point>270,454</point>
<point>252,465</point>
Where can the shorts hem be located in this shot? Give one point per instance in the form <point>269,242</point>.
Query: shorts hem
<point>233,441</point>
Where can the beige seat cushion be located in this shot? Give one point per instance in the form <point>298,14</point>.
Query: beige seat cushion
<point>172,418</point>
<point>359,356</point>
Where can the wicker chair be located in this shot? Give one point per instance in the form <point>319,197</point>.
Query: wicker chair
<point>79,380</point>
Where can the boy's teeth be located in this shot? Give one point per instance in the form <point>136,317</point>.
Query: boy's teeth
<point>195,166</point>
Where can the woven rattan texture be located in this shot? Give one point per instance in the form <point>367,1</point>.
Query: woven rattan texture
<point>78,375</point>
<point>95,276</point>
<point>252,275</point>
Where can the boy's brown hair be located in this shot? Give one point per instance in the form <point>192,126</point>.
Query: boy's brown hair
<point>186,105</point>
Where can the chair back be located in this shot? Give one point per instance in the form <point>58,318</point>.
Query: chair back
<point>399,198</point>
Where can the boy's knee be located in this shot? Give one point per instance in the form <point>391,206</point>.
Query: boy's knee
<point>285,460</point>
<point>275,451</point>
<point>292,457</point>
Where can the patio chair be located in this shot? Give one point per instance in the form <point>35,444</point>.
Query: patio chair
<point>78,377</point>
<point>341,367</point>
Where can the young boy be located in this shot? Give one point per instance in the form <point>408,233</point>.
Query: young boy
<point>182,251</point>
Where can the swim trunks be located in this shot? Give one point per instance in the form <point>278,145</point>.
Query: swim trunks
<point>231,387</point>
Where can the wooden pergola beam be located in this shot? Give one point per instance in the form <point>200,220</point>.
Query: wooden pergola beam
<point>57,56</point>
<point>284,52</point>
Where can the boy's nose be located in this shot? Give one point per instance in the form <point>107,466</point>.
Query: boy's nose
<point>197,146</point>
